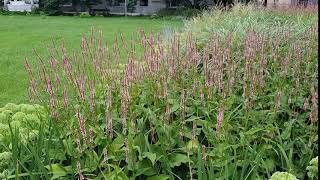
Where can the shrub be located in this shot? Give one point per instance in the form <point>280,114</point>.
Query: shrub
<point>24,117</point>
<point>174,12</point>
<point>51,7</point>
<point>25,137</point>
<point>238,106</point>
<point>167,12</point>
<point>189,13</point>
<point>3,12</point>
<point>283,176</point>
<point>84,15</point>
<point>104,13</point>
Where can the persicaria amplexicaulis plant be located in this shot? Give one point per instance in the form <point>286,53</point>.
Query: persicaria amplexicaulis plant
<point>173,89</point>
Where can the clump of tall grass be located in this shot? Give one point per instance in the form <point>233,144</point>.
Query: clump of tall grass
<point>243,18</point>
<point>235,108</point>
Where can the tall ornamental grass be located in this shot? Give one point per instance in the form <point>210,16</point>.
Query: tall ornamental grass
<point>241,19</point>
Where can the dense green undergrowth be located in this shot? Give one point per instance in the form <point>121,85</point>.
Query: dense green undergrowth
<point>240,105</point>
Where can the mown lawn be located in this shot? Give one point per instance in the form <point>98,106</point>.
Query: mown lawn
<point>20,34</point>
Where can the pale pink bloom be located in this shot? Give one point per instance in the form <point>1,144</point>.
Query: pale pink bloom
<point>65,98</point>
<point>278,100</point>
<point>126,149</point>
<point>108,114</point>
<point>92,95</point>
<point>82,125</point>
<point>81,177</point>
<point>78,144</point>
<point>91,135</point>
<point>220,119</point>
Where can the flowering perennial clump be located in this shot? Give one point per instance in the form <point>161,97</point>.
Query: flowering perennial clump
<point>207,102</point>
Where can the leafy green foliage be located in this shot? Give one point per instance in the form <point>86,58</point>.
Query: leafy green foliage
<point>5,158</point>
<point>20,126</point>
<point>313,168</point>
<point>181,11</point>
<point>282,176</point>
<point>24,117</point>
<point>51,7</point>
<point>84,15</point>
<point>232,108</point>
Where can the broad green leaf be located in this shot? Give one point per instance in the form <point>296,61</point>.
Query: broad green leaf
<point>57,170</point>
<point>158,177</point>
<point>252,131</point>
<point>229,102</point>
<point>192,145</point>
<point>152,115</point>
<point>117,173</point>
<point>175,105</point>
<point>91,160</point>
<point>141,171</point>
<point>144,167</point>
<point>177,159</point>
<point>139,141</point>
<point>287,132</point>
<point>192,118</point>
<point>269,164</point>
<point>68,145</point>
<point>151,156</point>
<point>117,143</point>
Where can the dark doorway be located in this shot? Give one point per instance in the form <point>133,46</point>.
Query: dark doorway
<point>143,2</point>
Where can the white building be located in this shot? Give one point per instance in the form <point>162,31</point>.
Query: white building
<point>21,6</point>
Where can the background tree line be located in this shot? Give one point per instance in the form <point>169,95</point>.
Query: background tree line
<point>53,7</point>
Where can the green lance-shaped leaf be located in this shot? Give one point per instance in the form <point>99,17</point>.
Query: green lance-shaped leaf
<point>177,159</point>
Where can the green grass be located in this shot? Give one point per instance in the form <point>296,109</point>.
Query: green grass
<point>20,34</point>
